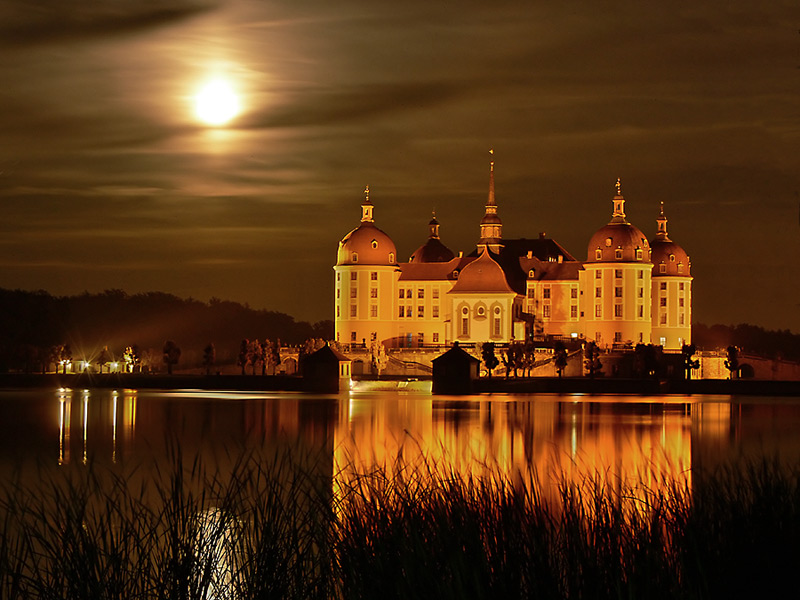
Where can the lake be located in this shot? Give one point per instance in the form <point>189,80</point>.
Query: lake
<point>559,437</point>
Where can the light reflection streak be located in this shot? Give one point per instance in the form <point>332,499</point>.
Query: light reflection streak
<point>85,423</point>
<point>65,410</point>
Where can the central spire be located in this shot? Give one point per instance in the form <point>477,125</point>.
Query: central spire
<point>491,225</point>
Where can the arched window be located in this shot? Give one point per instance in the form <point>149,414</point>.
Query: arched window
<point>598,255</point>
<point>355,256</point>
<point>374,244</point>
<point>496,328</point>
<point>391,257</point>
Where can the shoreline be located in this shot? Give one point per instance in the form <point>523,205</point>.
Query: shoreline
<point>289,383</point>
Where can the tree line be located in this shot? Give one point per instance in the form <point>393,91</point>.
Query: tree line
<point>750,339</point>
<point>37,327</point>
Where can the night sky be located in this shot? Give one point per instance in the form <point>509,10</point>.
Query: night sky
<point>109,180</point>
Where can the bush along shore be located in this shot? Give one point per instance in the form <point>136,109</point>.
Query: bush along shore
<point>280,525</point>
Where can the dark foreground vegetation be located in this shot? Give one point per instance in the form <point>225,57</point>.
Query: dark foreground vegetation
<point>280,526</point>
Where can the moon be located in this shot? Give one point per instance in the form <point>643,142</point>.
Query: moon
<point>216,103</point>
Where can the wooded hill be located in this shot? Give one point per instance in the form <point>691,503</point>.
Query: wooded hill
<point>34,322</point>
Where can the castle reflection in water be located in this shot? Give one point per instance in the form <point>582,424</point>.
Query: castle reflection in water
<point>632,440</point>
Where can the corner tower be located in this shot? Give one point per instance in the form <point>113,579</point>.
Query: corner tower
<point>366,276</point>
<point>671,290</point>
<point>616,282</point>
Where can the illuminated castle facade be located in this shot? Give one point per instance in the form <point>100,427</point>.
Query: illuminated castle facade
<point>628,290</point>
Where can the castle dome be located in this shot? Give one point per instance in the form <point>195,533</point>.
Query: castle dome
<point>433,250</point>
<point>619,241</point>
<point>484,275</point>
<point>366,244</point>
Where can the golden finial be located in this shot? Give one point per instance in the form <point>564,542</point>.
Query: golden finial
<point>662,208</point>
<point>491,163</point>
<point>618,185</point>
<point>366,193</point>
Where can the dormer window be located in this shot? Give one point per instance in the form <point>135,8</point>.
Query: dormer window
<point>638,254</point>
<point>618,253</point>
<point>355,256</point>
<point>680,267</point>
<point>598,255</point>
<point>374,244</point>
<point>455,274</point>
<point>671,258</point>
<point>608,242</point>
<point>531,273</point>
<point>662,268</point>
<point>391,257</point>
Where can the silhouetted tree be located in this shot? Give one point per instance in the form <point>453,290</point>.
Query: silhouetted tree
<point>103,358</point>
<point>209,357</point>
<point>560,357</point>
<point>244,350</point>
<point>689,362</point>
<point>592,359</point>
<point>489,359</point>
<point>66,356</point>
<point>171,355</point>
<point>132,358</point>
<point>646,357</point>
<point>732,362</point>
<point>254,354</point>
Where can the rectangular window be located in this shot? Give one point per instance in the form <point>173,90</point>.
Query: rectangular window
<point>421,338</point>
<point>680,302</point>
<point>618,311</point>
<point>420,293</point>
<point>497,326</point>
<point>435,338</point>
<point>598,275</point>
<point>338,312</point>
<point>373,276</point>
<point>680,319</point>
<point>353,276</point>
<point>420,311</point>
<point>338,293</point>
<point>618,273</point>
<point>641,292</point>
<point>546,292</point>
<point>402,293</point>
<point>598,292</point>
<point>465,326</point>
<point>641,311</point>
<point>573,293</point>
<point>641,274</point>
<point>352,336</point>
<point>680,286</point>
<point>664,319</point>
<point>662,268</point>
<point>573,311</point>
<point>618,292</point>
<point>435,292</point>
<point>402,312</point>
<point>373,292</point>
<point>638,254</point>
<point>546,311</point>
<point>618,253</point>
<point>338,277</point>
<point>353,292</point>
<point>598,311</point>
<point>373,311</point>
<point>618,336</point>
<point>408,311</point>
<point>353,310</point>
<point>435,313</point>
<point>663,286</point>
<point>663,301</point>
<point>531,293</point>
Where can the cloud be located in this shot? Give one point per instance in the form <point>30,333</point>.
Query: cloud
<point>24,23</point>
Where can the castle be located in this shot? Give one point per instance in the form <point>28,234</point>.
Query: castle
<point>628,290</point>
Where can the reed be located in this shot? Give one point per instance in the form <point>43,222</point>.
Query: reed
<point>270,526</point>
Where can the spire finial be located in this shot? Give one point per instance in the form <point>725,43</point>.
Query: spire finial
<point>662,208</point>
<point>366,208</point>
<point>618,216</point>
<point>491,162</point>
<point>662,225</point>
<point>366,194</point>
<point>618,185</point>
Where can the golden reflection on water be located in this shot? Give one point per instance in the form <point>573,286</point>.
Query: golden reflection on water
<point>641,445</point>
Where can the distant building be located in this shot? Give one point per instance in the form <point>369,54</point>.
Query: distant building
<point>628,290</point>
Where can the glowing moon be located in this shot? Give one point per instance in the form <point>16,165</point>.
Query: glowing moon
<point>216,103</point>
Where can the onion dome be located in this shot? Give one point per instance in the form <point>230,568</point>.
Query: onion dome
<point>484,275</point>
<point>366,244</point>
<point>619,241</point>
<point>433,250</point>
<point>667,256</point>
